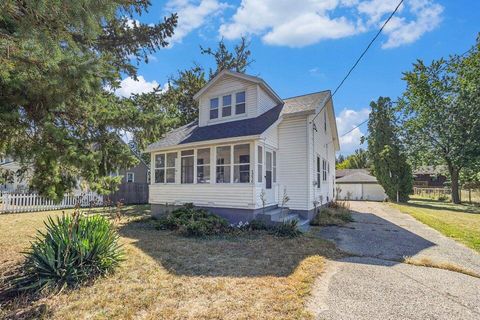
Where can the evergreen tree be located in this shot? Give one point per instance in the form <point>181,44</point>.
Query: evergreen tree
<point>384,148</point>
<point>59,62</point>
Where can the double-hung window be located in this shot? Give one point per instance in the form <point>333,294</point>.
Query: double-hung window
<point>260,164</point>
<point>274,166</point>
<point>227,105</point>
<point>223,164</point>
<point>203,165</point>
<point>130,177</point>
<point>324,164</point>
<point>240,102</point>
<point>241,163</point>
<point>187,166</point>
<point>214,108</point>
<point>165,167</point>
<point>319,170</point>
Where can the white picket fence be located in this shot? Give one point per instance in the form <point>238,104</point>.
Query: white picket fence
<point>30,202</point>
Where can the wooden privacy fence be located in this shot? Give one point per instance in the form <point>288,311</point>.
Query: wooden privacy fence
<point>130,193</point>
<point>30,202</point>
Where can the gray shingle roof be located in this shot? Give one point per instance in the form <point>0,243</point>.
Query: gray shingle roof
<point>193,133</point>
<point>306,102</point>
<point>340,173</point>
<point>357,177</point>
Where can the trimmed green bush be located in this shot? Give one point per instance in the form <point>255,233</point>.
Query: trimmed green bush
<point>192,222</point>
<point>72,250</point>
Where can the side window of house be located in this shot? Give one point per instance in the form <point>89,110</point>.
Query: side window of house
<point>318,172</point>
<point>227,105</point>
<point>260,164</point>
<point>240,102</point>
<point>274,166</point>
<point>324,170</point>
<point>203,165</point>
<point>214,108</point>
<point>130,177</point>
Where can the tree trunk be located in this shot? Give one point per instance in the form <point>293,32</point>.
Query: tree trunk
<point>455,189</point>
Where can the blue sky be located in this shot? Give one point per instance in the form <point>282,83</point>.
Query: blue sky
<point>303,46</point>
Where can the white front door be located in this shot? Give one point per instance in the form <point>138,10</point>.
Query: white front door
<point>269,183</point>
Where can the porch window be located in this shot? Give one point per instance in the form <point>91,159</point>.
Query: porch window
<point>324,163</point>
<point>203,165</point>
<point>223,164</point>
<point>241,163</point>
<point>165,170</point>
<point>227,105</point>
<point>318,172</point>
<point>240,102</point>
<point>260,164</point>
<point>170,168</point>
<point>274,166</point>
<point>187,166</point>
<point>214,108</point>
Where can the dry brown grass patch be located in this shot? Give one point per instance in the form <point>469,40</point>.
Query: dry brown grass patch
<point>165,276</point>
<point>425,262</point>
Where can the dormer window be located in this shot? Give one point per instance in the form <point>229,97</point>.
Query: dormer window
<point>227,106</point>
<point>240,102</point>
<point>214,108</point>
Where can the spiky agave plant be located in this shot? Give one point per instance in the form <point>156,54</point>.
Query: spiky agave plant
<point>72,250</point>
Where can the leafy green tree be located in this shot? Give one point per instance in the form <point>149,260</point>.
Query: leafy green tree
<point>60,61</point>
<point>357,160</point>
<point>384,148</point>
<point>183,86</point>
<point>441,107</point>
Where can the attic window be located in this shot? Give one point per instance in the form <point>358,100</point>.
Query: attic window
<point>240,102</point>
<point>214,108</point>
<point>325,121</point>
<point>227,106</point>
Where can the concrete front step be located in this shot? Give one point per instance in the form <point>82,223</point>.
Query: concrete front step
<point>275,216</point>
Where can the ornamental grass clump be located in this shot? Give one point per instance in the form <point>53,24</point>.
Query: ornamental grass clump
<point>72,250</point>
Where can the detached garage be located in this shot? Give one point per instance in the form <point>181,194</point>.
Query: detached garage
<point>358,184</point>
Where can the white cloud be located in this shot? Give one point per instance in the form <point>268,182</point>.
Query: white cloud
<point>129,86</point>
<point>305,22</point>
<point>346,121</point>
<point>192,14</point>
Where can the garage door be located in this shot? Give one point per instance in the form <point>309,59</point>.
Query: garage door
<point>358,191</point>
<point>374,192</point>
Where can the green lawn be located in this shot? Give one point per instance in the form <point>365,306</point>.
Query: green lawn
<point>460,222</point>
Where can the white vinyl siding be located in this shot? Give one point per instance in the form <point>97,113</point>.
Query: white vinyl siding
<point>225,86</point>
<point>292,161</point>
<point>265,101</point>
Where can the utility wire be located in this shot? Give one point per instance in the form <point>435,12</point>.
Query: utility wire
<point>359,58</point>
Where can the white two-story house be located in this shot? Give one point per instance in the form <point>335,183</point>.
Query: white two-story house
<point>248,149</point>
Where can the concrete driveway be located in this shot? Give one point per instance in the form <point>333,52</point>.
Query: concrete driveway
<point>375,285</point>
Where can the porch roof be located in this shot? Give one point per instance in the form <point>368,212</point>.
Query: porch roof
<point>192,133</point>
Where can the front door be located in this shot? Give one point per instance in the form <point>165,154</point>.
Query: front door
<point>269,188</point>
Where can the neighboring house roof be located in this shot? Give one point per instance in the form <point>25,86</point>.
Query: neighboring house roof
<point>346,172</point>
<point>191,132</point>
<point>239,75</point>
<point>307,102</point>
<point>431,170</point>
<point>357,177</point>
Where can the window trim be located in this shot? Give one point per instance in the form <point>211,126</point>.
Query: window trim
<point>249,164</point>
<point>133,177</point>
<point>244,102</point>
<point>233,111</point>
<point>209,165</point>
<point>193,165</point>
<point>210,109</point>
<point>165,167</point>
<point>319,171</point>
<point>260,163</point>
<point>324,170</point>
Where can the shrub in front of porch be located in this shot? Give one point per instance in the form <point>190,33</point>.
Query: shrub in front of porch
<point>193,222</point>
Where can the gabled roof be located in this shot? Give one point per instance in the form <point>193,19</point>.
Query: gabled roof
<point>340,173</point>
<point>306,102</point>
<point>242,76</point>
<point>431,170</point>
<point>357,177</point>
<point>192,133</point>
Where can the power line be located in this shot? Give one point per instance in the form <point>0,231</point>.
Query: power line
<point>358,125</point>
<point>359,58</point>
